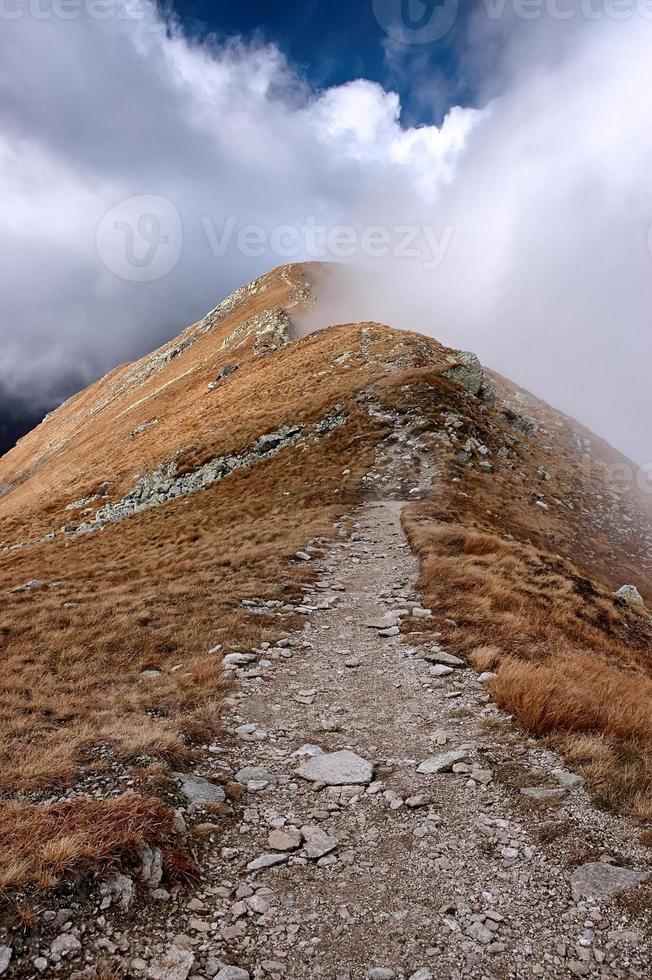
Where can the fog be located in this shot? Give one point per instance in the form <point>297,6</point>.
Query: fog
<point>144,175</point>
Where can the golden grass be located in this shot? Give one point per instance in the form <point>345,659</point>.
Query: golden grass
<point>571,663</point>
<point>159,590</point>
<point>41,844</point>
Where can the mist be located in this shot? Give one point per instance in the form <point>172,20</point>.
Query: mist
<point>519,227</point>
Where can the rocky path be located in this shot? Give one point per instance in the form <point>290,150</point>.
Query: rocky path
<point>487,861</point>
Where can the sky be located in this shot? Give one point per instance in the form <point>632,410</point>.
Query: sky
<point>487,167</point>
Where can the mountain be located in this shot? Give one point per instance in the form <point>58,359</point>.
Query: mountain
<point>258,568</point>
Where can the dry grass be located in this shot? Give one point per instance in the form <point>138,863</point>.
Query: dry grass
<point>41,844</point>
<point>571,662</point>
<point>161,589</point>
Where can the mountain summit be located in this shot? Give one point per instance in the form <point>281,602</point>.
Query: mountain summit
<point>281,605</point>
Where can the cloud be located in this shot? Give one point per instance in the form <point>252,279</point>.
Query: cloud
<point>535,201</point>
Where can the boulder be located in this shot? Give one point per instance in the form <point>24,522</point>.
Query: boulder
<point>630,595</point>
<point>600,881</point>
<point>467,372</point>
<point>199,791</point>
<point>318,842</point>
<point>343,768</point>
<point>175,965</point>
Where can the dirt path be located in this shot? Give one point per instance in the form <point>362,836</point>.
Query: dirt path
<point>456,874</point>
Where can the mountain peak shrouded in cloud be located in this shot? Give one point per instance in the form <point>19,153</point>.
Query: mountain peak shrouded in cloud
<point>519,226</point>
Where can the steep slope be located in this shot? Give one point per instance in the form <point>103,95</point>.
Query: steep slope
<point>167,516</point>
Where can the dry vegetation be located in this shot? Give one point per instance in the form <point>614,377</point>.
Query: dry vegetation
<point>159,590</point>
<point>40,844</point>
<point>572,662</point>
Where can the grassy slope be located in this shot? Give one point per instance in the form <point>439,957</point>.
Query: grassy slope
<point>160,589</point>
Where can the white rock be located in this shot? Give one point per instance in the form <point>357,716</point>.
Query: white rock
<point>318,842</point>
<point>175,965</point>
<point>440,657</point>
<point>284,840</point>
<point>392,631</point>
<point>118,889</point>
<point>256,775</point>
<point>5,958</point>
<point>630,595</point>
<point>309,750</point>
<point>342,768</point>
<point>541,793</point>
<point>238,659</point>
<point>486,676</point>
<point>65,945</point>
<point>442,763</point>
<point>199,791</point>
<point>601,880</point>
<point>266,861</point>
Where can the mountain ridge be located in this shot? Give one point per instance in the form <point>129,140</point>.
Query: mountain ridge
<point>170,534</point>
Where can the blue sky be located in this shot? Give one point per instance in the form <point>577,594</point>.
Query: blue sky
<point>334,41</point>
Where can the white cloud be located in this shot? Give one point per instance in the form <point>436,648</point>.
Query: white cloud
<point>546,194</point>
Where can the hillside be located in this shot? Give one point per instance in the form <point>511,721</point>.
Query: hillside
<point>237,505</point>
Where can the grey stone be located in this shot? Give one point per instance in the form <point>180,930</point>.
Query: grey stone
<point>392,631</point>
<point>422,974</point>
<point>238,659</point>
<point>26,587</point>
<point>600,880</point>
<point>380,973</point>
<point>151,871</point>
<point>468,372</point>
<point>232,973</point>
<point>255,774</point>
<point>382,622</point>
<point>5,957</point>
<point>440,657</point>
<point>569,780</point>
<point>284,840</point>
<point>486,676</point>
<point>199,791</point>
<point>541,793</point>
<point>266,861</point>
<point>440,670</point>
<point>118,889</point>
<point>175,965</point>
<point>342,768</point>
<point>309,750</point>
<point>65,945</point>
<point>318,842</point>
<point>630,595</point>
<point>442,763</point>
